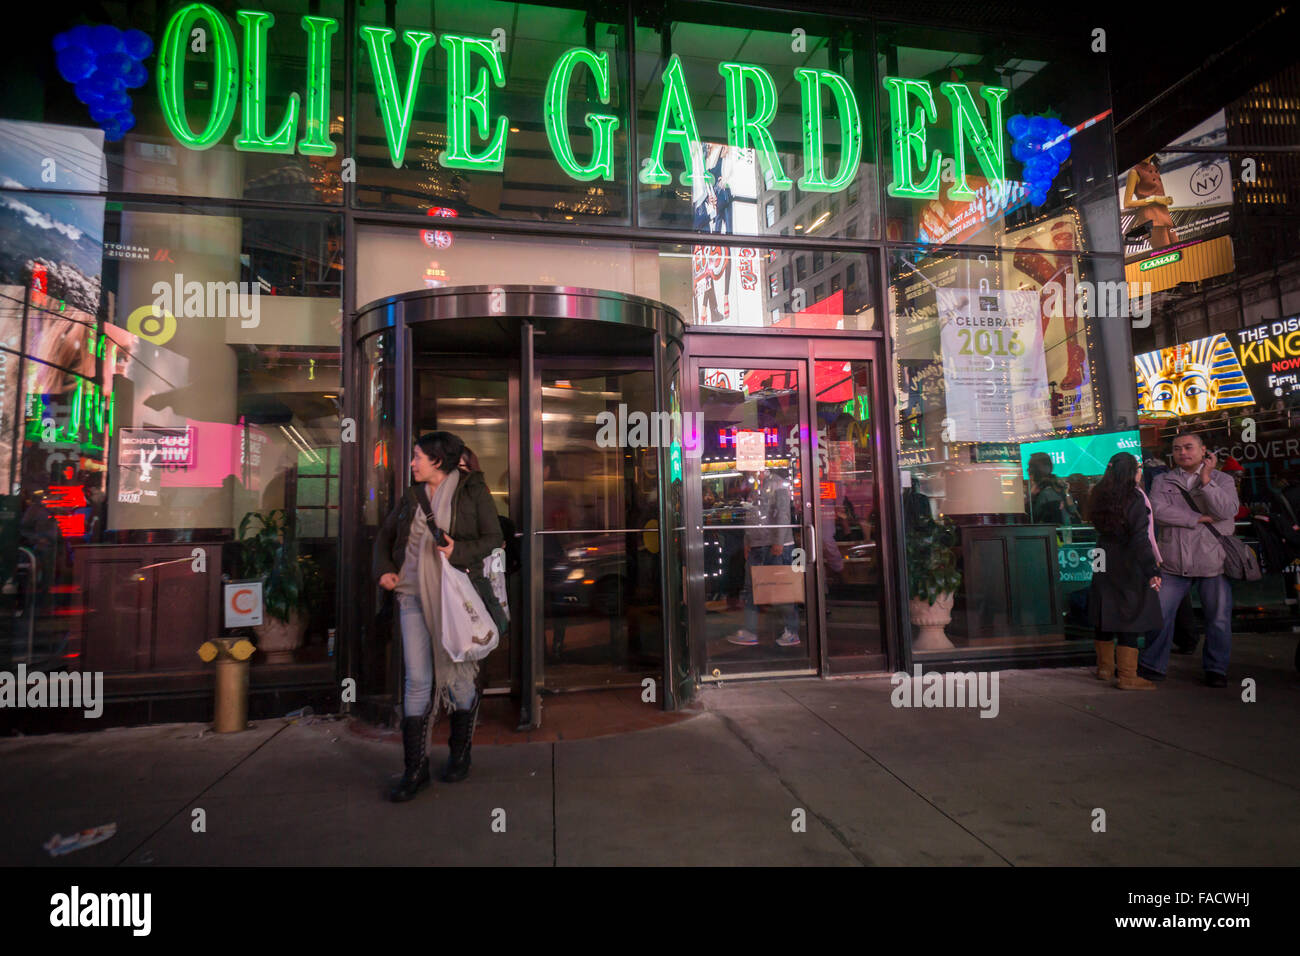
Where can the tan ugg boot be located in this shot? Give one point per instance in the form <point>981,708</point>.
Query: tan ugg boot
<point>1126,663</point>
<point>1105,659</point>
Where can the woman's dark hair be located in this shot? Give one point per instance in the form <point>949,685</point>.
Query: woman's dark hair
<point>1040,464</point>
<point>442,447</point>
<point>1108,500</point>
<point>470,460</point>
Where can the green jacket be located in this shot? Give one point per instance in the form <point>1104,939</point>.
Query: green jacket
<point>475,528</point>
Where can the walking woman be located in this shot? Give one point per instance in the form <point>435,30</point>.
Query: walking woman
<point>445,510</point>
<point>1123,602</point>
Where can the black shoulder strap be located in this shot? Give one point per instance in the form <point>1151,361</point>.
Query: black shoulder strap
<point>1191,503</point>
<point>426,508</point>
<point>1281,496</point>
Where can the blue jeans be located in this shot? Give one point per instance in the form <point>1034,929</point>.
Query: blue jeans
<point>1216,600</point>
<point>789,613</point>
<point>417,654</point>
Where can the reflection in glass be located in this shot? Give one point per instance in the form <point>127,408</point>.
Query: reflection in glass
<point>753,189</point>
<point>600,540</point>
<point>754,549</point>
<point>1009,407</point>
<point>1038,82</point>
<point>531,184</point>
<point>850,514</point>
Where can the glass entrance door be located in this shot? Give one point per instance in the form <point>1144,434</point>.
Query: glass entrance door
<point>598,621</point>
<point>750,595</point>
<point>850,578</point>
<point>602,617</point>
<point>472,397</point>
<point>786,568</point>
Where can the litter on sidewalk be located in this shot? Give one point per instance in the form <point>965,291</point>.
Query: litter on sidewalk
<point>59,845</point>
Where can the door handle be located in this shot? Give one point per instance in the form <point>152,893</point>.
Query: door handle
<point>812,531</point>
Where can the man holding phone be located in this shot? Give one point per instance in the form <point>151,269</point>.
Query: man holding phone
<point>1183,501</point>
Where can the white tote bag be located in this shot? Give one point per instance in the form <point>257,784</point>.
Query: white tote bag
<point>468,632</point>
<point>494,569</point>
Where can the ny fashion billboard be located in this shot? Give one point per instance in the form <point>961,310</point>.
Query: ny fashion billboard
<point>1173,199</point>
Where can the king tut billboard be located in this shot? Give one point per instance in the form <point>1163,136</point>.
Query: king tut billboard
<point>1259,365</point>
<point>1204,375</point>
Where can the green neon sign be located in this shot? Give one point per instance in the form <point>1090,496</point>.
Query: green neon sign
<point>317,113</point>
<point>676,124</point>
<point>477,139</point>
<point>171,75</point>
<point>987,145</point>
<point>602,125</point>
<point>395,106</point>
<point>1169,258</point>
<point>175,46</point>
<point>814,177</point>
<point>743,129</point>
<point>908,137</point>
<point>462,105</point>
<point>253,135</point>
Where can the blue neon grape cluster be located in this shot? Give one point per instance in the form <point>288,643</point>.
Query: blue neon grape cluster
<point>1028,134</point>
<point>102,63</point>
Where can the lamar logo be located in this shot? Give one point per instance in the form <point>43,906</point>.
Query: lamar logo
<point>1158,261</point>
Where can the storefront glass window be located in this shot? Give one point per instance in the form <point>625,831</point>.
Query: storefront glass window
<point>709,285</point>
<point>1009,407</point>
<point>731,118</point>
<point>380,466</point>
<point>536,142</point>
<point>211,128</point>
<point>938,88</point>
<point>170,398</point>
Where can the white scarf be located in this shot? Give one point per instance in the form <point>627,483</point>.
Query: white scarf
<point>446,671</point>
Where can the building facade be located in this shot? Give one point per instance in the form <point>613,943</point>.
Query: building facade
<point>1242,302</point>
<point>768,329</point>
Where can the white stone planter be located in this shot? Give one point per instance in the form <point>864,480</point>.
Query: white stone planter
<point>929,621</point>
<point>278,640</point>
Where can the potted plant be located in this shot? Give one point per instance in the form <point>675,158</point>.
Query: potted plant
<point>933,580</point>
<point>271,553</point>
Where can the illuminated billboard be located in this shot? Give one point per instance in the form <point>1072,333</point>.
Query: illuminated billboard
<point>1186,197</point>
<point>1269,355</point>
<point>1200,376</point>
<point>726,282</point>
<point>1085,455</point>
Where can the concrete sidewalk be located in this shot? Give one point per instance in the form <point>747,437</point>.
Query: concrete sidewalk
<point>1186,775</point>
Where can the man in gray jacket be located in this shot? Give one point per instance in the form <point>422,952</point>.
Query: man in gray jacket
<point>772,543</point>
<point>1192,555</point>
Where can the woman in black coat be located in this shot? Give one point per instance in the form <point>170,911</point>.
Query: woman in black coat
<point>1123,602</point>
<point>448,511</point>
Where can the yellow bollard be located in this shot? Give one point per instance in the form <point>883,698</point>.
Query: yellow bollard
<point>231,704</point>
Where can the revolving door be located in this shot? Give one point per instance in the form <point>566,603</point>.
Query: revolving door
<point>542,383</point>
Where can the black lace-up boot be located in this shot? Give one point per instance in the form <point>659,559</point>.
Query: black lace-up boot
<point>415,735</point>
<point>462,736</point>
